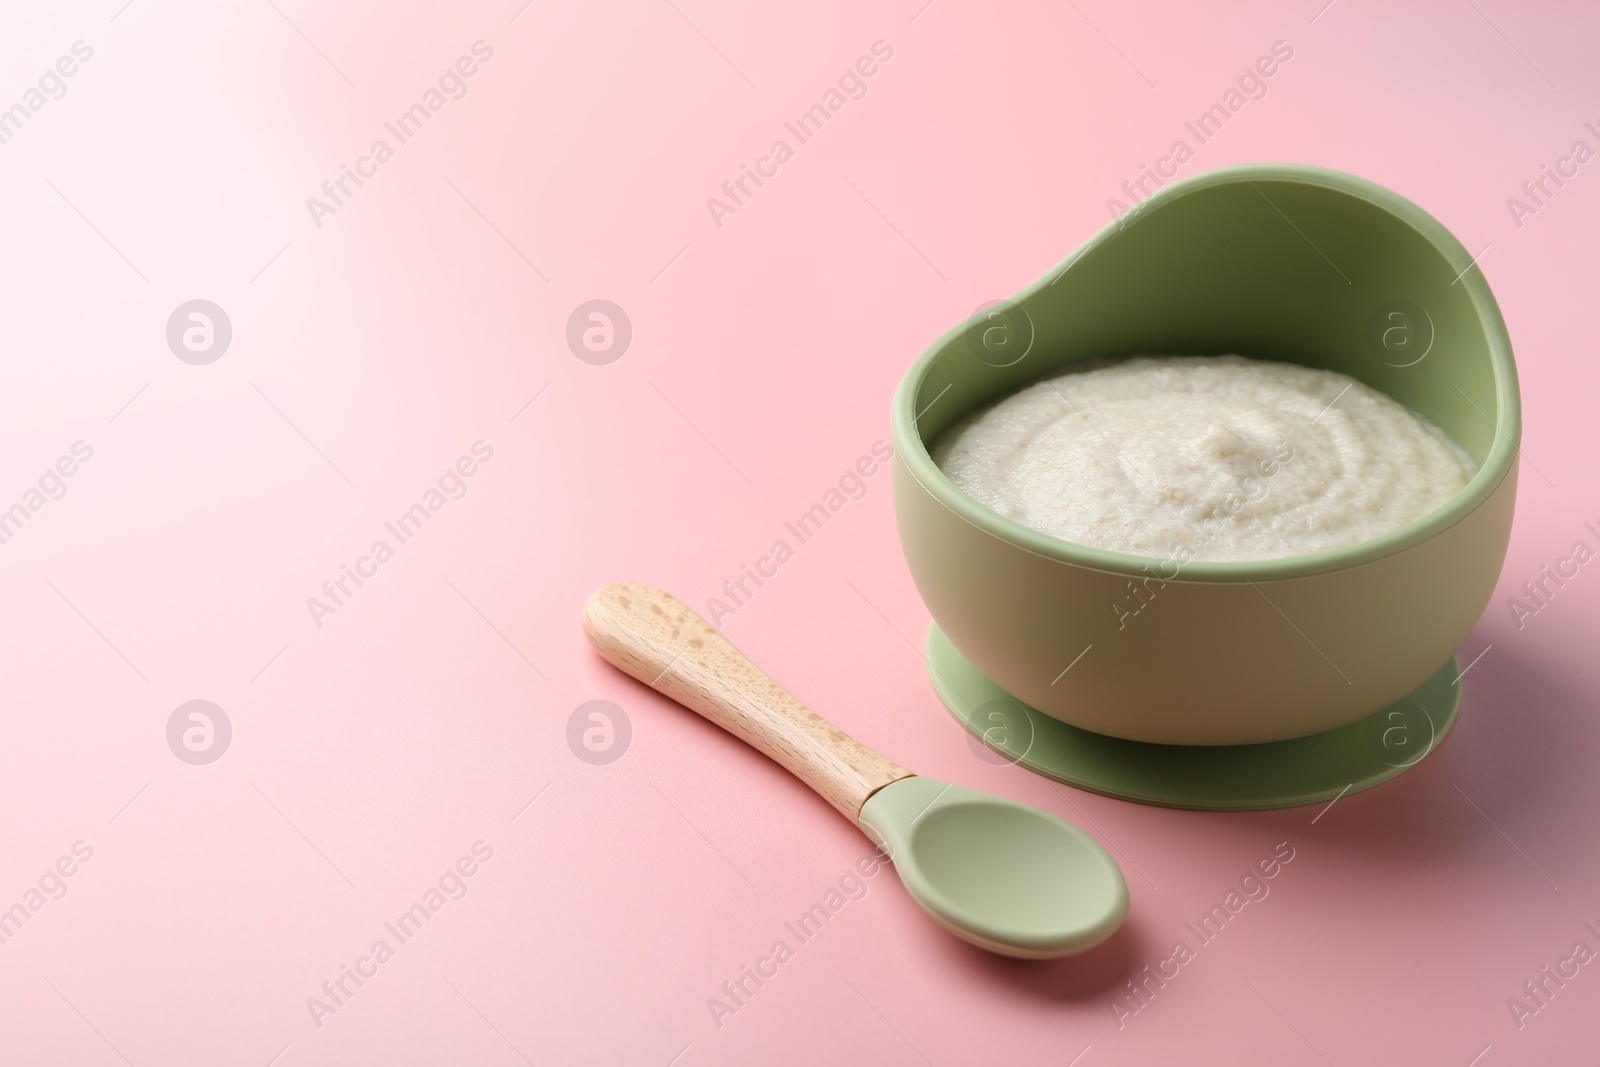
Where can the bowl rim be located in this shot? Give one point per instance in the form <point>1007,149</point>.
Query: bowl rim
<point>1499,463</point>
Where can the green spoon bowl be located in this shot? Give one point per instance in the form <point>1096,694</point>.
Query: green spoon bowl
<point>1005,876</point>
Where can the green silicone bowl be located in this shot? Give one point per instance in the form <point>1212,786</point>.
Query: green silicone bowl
<point>1277,262</point>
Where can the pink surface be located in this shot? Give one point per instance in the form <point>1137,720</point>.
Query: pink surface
<point>371,752</point>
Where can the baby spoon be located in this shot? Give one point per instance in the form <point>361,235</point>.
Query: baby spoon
<point>1005,876</point>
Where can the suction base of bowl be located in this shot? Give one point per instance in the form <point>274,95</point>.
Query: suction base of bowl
<point>1278,774</point>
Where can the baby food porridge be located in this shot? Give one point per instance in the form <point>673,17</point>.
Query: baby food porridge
<point>1204,457</point>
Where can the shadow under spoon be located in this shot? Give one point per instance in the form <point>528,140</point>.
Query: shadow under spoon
<point>1003,875</point>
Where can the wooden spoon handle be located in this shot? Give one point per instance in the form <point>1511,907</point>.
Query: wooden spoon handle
<point>659,640</point>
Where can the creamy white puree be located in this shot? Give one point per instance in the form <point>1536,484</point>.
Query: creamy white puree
<point>1204,457</point>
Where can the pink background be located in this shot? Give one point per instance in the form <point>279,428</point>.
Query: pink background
<point>371,752</point>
